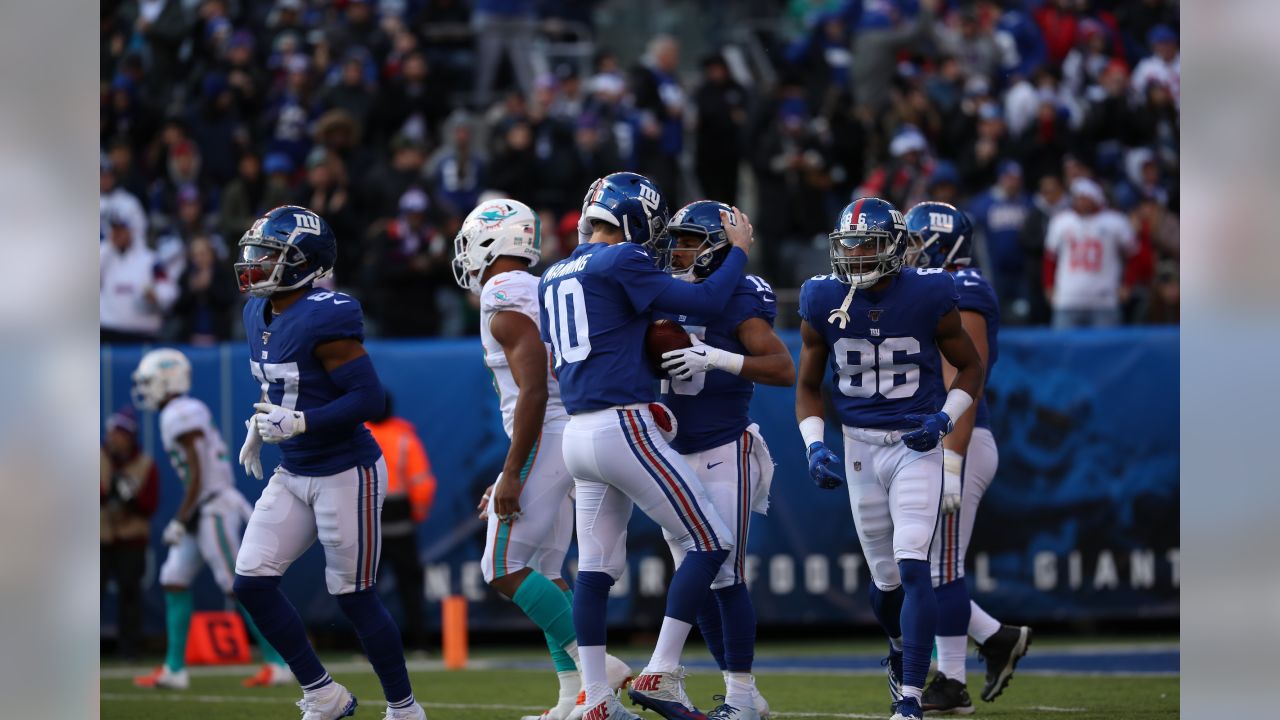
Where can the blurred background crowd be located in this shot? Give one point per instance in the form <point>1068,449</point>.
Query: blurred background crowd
<point>392,118</point>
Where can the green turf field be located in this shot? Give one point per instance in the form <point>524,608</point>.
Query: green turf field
<point>500,694</point>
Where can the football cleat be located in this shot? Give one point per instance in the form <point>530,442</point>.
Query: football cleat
<point>269,675</point>
<point>945,696</point>
<point>165,679</point>
<point>725,711</point>
<point>1001,653</point>
<point>413,712</point>
<point>609,709</point>
<point>617,674</point>
<point>664,694</point>
<point>892,664</point>
<point>907,709</point>
<point>328,703</point>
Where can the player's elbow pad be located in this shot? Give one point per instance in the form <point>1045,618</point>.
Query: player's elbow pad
<point>362,397</point>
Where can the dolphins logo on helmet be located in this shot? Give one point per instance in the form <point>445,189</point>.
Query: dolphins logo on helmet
<point>494,229</point>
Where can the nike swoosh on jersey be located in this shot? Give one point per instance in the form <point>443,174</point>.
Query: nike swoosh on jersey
<point>711,465</point>
<point>341,302</point>
<point>970,284</point>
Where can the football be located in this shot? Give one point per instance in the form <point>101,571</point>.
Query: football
<point>663,336</point>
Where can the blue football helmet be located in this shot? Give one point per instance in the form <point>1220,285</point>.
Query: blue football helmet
<point>287,248</point>
<point>631,202</point>
<point>700,219</point>
<point>940,236</point>
<point>869,242</point>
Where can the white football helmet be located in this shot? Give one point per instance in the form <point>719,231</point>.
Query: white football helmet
<point>494,229</point>
<point>161,373</point>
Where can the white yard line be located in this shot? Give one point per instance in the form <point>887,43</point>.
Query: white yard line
<point>258,700</point>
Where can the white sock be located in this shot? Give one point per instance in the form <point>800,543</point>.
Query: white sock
<point>737,689</point>
<point>570,686</point>
<point>572,651</point>
<point>981,625</point>
<point>912,692</point>
<point>951,652</point>
<point>896,643</point>
<point>593,676</point>
<point>671,639</point>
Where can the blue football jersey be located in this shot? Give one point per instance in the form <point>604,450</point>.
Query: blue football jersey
<point>885,363</point>
<point>596,306</point>
<point>711,408</point>
<point>977,295</point>
<point>282,358</point>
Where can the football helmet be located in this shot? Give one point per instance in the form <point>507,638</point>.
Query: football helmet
<point>939,235</point>
<point>630,201</point>
<point>700,218</point>
<point>869,242</point>
<point>160,374</point>
<point>285,249</point>
<point>492,230</point>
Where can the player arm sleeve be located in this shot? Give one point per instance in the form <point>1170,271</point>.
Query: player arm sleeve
<point>667,294</point>
<point>362,397</point>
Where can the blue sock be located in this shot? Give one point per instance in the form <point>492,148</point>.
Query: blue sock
<point>739,617</point>
<point>692,582</point>
<point>710,627</point>
<point>279,623</point>
<point>590,603</point>
<point>953,608</point>
<point>380,639</point>
<point>919,621</point>
<point>887,607</point>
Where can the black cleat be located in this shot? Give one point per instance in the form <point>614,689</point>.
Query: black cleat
<point>945,696</point>
<point>1001,653</point>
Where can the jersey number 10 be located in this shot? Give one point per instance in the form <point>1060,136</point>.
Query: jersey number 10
<point>566,306</point>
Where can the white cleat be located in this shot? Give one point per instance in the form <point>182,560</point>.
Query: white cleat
<point>663,693</point>
<point>757,700</point>
<point>725,711</point>
<point>165,679</point>
<point>413,712</point>
<point>609,709</point>
<point>328,703</point>
<point>617,674</point>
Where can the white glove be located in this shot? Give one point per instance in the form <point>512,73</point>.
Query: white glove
<point>684,364</point>
<point>174,532</point>
<point>952,463</point>
<point>277,424</point>
<point>251,450</point>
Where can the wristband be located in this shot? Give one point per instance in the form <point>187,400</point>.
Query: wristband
<point>958,401</point>
<point>813,430</point>
<point>730,362</point>
<point>952,462</point>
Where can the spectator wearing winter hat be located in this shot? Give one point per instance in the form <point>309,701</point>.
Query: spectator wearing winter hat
<point>134,292</point>
<point>405,264</point>
<point>980,159</point>
<point>1086,249</point>
<point>1162,66</point>
<point>1000,215</point>
<point>207,295</point>
<point>719,132</point>
<point>243,197</point>
<point>906,174</point>
<point>128,493</point>
<point>215,127</point>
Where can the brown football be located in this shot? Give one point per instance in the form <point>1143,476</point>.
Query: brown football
<point>664,336</point>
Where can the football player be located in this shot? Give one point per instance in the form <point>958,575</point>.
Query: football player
<point>940,236</point>
<point>709,391</point>
<point>596,307</point>
<point>319,387</point>
<point>882,329</point>
<point>529,512</point>
<point>206,528</point>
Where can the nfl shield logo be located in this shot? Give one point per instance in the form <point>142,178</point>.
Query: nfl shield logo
<point>857,466</point>
<point>874,315</point>
<point>265,337</point>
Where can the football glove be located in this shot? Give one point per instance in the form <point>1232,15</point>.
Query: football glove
<point>251,450</point>
<point>277,424</point>
<point>952,463</point>
<point>932,428</point>
<point>821,467</point>
<point>174,532</point>
<point>687,362</point>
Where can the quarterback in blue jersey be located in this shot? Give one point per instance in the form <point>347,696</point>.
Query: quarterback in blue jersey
<point>709,391</point>
<point>596,307</point>
<point>941,237</point>
<point>883,330</point>
<point>318,388</point>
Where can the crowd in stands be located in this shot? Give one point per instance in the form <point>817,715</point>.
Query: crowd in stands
<point>1054,123</point>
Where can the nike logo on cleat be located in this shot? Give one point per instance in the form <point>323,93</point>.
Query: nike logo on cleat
<point>645,683</point>
<point>711,465</point>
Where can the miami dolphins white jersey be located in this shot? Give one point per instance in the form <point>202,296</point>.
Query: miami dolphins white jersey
<point>515,291</point>
<point>182,415</point>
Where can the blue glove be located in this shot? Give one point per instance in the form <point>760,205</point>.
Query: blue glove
<point>932,428</point>
<point>821,464</point>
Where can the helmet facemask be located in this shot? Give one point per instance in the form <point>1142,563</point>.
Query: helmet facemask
<point>863,257</point>
<point>698,259</point>
<point>263,262</point>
